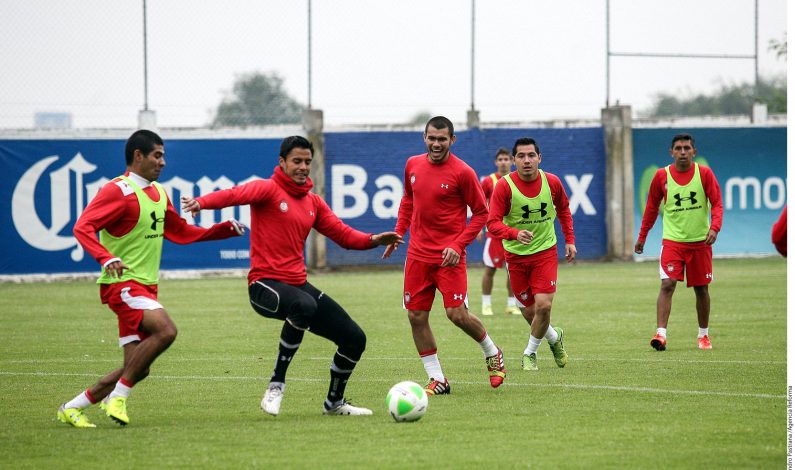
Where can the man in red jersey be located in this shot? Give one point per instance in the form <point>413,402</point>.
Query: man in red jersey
<point>438,187</point>
<point>778,234</point>
<point>688,233</point>
<point>493,252</point>
<point>133,214</point>
<point>283,211</point>
<point>522,213</point>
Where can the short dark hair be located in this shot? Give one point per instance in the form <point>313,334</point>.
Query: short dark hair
<point>502,151</point>
<point>525,141</point>
<point>683,136</point>
<point>142,140</point>
<point>440,122</point>
<point>295,141</point>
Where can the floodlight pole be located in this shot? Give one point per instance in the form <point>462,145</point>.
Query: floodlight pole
<point>309,54</point>
<point>607,54</point>
<point>472,61</point>
<point>756,46</point>
<point>146,66</point>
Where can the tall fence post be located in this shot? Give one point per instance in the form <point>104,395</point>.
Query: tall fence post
<point>619,181</point>
<point>313,126</point>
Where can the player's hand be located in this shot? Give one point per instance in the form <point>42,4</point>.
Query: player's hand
<point>389,249</point>
<point>190,205</point>
<point>116,269</point>
<point>386,238</point>
<point>525,237</point>
<point>239,228</point>
<point>450,257</point>
<point>639,246</point>
<point>479,236</point>
<point>571,252</point>
<point>711,237</point>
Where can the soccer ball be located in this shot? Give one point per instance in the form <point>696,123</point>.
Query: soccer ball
<point>406,401</point>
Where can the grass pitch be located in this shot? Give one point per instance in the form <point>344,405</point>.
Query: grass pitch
<point>617,404</point>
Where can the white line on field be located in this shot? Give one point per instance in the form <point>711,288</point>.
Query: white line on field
<point>509,384</point>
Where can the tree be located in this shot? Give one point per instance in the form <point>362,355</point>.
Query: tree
<point>258,99</point>
<point>780,47</point>
<point>729,99</point>
<point>420,118</point>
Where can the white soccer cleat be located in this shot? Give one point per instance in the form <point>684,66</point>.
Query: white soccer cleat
<point>272,401</point>
<point>346,409</point>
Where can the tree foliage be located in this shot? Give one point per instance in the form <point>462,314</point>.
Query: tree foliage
<point>258,99</point>
<point>729,99</point>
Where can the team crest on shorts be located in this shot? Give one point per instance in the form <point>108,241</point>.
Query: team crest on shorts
<point>523,295</point>
<point>406,297</point>
<point>283,206</point>
<point>670,267</point>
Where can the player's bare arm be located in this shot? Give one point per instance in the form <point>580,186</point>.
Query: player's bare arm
<point>386,238</point>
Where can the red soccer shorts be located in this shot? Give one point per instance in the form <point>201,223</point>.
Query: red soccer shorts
<point>128,300</point>
<point>536,274</point>
<point>678,258</point>
<point>493,252</point>
<point>421,280</point>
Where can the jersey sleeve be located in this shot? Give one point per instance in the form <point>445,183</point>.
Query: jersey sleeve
<point>499,207</point>
<point>103,210</point>
<point>712,190</point>
<point>656,194</point>
<point>779,233</point>
<point>561,201</point>
<point>474,198</point>
<point>253,191</point>
<point>178,230</point>
<point>328,224</point>
<point>406,208</point>
<point>488,188</point>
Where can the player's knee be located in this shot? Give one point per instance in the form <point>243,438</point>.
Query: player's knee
<point>667,287</point>
<point>301,312</point>
<point>458,315</point>
<point>418,318</point>
<point>357,341</point>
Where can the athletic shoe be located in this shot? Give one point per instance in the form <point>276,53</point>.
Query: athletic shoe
<point>272,400</point>
<point>658,342</point>
<point>496,366</point>
<point>435,387</point>
<point>74,417</point>
<point>513,310</point>
<point>561,358</point>
<point>487,310</point>
<point>345,408</point>
<point>530,362</point>
<point>116,409</point>
<point>704,342</point>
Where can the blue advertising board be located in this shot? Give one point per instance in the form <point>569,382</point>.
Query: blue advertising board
<point>751,167</point>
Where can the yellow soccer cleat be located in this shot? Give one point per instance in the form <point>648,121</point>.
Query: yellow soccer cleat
<point>116,409</point>
<point>487,310</point>
<point>513,310</point>
<point>74,417</point>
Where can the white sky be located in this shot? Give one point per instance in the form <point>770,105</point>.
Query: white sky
<point>374,61</point>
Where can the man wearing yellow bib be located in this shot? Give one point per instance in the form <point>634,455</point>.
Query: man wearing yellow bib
<point>692,217</point>
<point>522,213</point>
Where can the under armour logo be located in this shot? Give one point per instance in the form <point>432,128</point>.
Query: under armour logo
<point>552,283</point>
<point>709,275</point>
<point>155,220</point>
<point>526,211</point>
<point>458,296</point>
<point>445,186</point>
<point>679,199</point>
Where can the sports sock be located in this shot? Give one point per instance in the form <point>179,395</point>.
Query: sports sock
<point>662,332</point>
<point>485,300</point>
<point>123,388</point>
<point>512,301</point>
<point>341,370</point>
<point>532,345</point>
<point>551,335</point>
<point>702,332</point>
<point>289,341</point>
<point>487,345</point>
<point>81,401</point>
<point>430,360</point>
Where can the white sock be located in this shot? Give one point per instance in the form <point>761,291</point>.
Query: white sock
<point>532,345</point>
<point>487,345</point>
<point>81,401</point>
<point>512,301</point>
<point>121,390</point>
<point>551,335</point>
<point>702,332</point>
<point>486,300</point>
<point>662,332</point>
<point>433,367</point>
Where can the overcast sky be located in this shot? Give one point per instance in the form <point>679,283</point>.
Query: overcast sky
<point>373,61</point>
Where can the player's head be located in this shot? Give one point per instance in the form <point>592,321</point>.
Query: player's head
<point>295,157</point>
<point>438,136</point>
<point>525,141</point>
<point>683,137</point>
<point>503,160</point>
<point>683,150</point>
<point>142,140</point>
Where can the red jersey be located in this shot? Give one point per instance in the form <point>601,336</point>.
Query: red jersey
<point>281,216</point>
<point>434,205</point>
<point>500,206</point>
<point>117,212</point>
<point>658,193</point>
<point>779,233</point>
<point>488,186</point>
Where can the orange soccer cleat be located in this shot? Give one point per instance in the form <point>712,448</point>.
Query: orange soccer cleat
<point>658,342</point>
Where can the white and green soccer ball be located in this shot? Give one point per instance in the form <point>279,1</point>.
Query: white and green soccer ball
<point>406,402</point>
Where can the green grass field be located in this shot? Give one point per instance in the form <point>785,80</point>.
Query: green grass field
<point>618,404</point>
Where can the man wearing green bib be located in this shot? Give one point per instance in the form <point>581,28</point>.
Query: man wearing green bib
<point>690,227</point>
<point>522,213</point>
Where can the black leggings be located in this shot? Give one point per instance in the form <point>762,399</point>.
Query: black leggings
<point>307,308</point>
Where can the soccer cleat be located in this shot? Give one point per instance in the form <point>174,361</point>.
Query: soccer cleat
<point>704,342</point>
<point>347,409</point>
<point>658,342</point>
<point>513,310</point>
<point>561,358</point>
<point>496,366</point>
<point>272,401</point>
<point>530,362</point>
<point>74,417</point>
<point>487,310</point>
<point>435,387</point>
<point>116,409</point>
